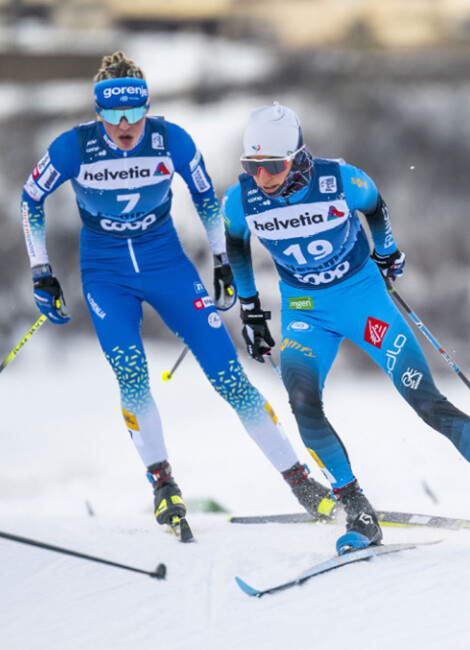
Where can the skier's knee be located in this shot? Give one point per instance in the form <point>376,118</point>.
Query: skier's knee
<point>306,401</point>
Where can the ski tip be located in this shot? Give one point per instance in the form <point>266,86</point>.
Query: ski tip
<point>251,591</point>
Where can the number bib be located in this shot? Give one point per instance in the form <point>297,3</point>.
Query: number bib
<point>124,196</point>
<point>316,242</point>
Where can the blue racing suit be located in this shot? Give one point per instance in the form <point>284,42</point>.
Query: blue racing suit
<point>130,253</point>
<point>332,290</point>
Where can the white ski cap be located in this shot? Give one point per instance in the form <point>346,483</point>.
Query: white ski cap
<point>272,131</point>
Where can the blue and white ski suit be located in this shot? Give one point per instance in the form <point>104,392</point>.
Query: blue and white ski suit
<point>332,290</point>
<point>130,253</point>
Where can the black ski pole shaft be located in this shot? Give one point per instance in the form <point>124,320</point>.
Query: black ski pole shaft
<point>420,325</point>
<point>40,321</point>
<point>159,572</point>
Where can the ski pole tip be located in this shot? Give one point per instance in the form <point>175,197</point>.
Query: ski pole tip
<point>167,375</point>
<point>160,572</point>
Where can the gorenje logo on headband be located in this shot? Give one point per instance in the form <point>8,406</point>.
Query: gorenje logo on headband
<point>124,91</point>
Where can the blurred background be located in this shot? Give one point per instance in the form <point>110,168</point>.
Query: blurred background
<point>384,84</point>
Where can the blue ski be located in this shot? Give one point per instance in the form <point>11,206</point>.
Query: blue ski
<point>333,563</point>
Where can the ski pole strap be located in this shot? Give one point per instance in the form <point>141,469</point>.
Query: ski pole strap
<point>40,321</point>
<point>434,342</point>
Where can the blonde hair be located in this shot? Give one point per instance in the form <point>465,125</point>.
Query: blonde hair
<point>116,66</point>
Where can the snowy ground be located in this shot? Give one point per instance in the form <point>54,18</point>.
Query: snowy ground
<point>64,450</point>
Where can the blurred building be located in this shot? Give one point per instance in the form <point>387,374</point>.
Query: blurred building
<point>294,24</point>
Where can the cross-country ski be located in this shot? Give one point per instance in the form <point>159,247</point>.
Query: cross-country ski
<point>335,562</point>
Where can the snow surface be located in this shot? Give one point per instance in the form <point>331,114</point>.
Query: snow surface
<point>64,453</point>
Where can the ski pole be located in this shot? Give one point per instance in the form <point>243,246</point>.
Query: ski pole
<point>159,572</point>
<point>434,342</point>
<point>168,374</point>
<point>274,365</point>
<point>42,319</point>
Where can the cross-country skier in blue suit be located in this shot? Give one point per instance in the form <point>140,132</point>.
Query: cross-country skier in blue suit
<point>121,168</point>
<point>304,211</point>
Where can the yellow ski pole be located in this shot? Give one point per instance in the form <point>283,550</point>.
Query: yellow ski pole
<point>42,319</point>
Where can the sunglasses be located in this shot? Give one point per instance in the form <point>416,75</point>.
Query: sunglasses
<point>115,115</point>
<point>272,165</point>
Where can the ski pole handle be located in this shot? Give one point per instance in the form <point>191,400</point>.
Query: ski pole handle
<point>40,321</point>
<point>420,325</point>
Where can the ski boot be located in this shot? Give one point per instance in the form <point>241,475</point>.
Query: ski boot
<point>362,525</point>
<point>169,504</point>
<point>314,497</point>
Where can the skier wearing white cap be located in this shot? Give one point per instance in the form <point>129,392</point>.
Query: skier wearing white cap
<point>304,211</point>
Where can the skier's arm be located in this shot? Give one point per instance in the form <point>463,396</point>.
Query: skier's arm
<point>362,194</point>
<point>189,164</point>
<point>60,163</point>
<point>255,330</point>
<point>237,237</point>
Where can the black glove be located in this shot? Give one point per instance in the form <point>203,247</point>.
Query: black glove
<point>48,295</point>
<point>224,288</point>
<point>255,330</point>
<point>391,266</point>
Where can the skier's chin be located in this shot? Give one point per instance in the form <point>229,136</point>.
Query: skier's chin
<point>270,190</point>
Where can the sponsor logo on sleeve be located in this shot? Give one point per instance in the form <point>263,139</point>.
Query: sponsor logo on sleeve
<point>375,331</point>
<point>49,178</point>
<point>200,180</point>
<point>41,166</point>
<point>198,287</point>
<point>195,161</point>
<point>32,189</point>
<point>359,182</point>
<point>328,184</point>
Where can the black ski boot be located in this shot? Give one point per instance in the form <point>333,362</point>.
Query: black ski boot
<point>314,497</point>
<point>362,525</point>
<point>168,500</point>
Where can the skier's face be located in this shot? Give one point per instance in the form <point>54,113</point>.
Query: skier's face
<point>125,135</point>
<point>269,183</point>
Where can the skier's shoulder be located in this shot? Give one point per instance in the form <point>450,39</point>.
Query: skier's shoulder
<point>232,205</point>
